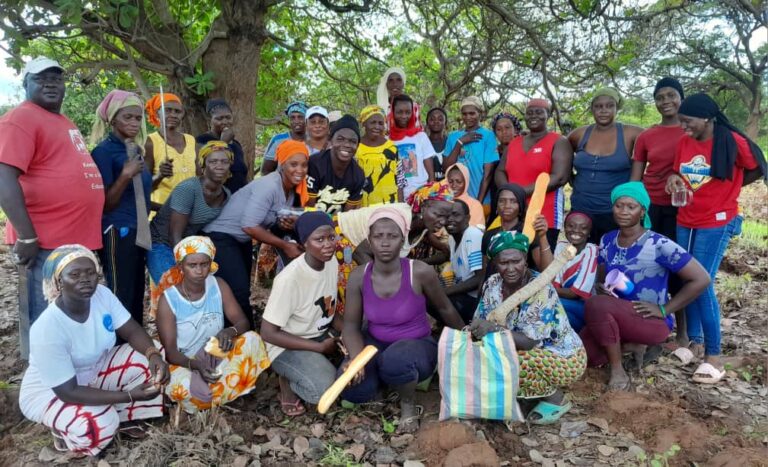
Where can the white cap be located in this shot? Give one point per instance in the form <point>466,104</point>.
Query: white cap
<point>317,110</point>
<point>36,65</point>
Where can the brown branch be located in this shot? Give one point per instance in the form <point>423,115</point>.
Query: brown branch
<point>349,6</point>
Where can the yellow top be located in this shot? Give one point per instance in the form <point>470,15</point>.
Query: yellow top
<point>379,164</point>
<point>184,165</point>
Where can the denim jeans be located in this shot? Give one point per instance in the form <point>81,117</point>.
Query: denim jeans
<point>159,259</point>
<point>310,374</point>
<point>708,247</point>
<point>235,260</point>
<point>34,298</point>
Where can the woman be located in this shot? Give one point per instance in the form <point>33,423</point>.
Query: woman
<point>171,157</point>
<point>318,129</point>
<point>79,384</point>
<point>192,204</point>
<point>506,127</point>
<point>192,310</point>
<point>126,236</point>
<point>413,146</point>
<point>258,212</point>
<point>642,315</point>
<point>391,293</point>
<point>391,85</point>
<point>653,163</point>
<point>457,177</point>
<point>299,315</point>
<point>575,282</point>
<point>714,160</point>
<point>539,151</point>
<point>221,122</point>
<point>437,122</point>
<point>602,160</point>
<point>550,352</point>
<point>377,156</point>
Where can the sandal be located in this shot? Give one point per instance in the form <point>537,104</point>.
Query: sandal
<point>292,409</point>
<point>706,373</point>
<point>133,430</point>
<point>58,442</point>
<point>410,424</point>
<point>684,354</point>
<point>548,412</point>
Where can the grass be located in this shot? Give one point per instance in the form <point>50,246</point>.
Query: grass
<point>335,456</point>
<point>754,234</point>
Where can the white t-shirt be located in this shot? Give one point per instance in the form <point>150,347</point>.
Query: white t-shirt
<point>61,348</point>
<point>302,301</point>
<point>467,257</point>
<point>412,152</point>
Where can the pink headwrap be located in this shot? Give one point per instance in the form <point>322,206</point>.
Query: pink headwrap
<point>114,101</point>
<point>393,214</point>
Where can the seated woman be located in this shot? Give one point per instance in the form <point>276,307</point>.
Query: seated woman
<point>550,352</point>
<point>299,313</point>
<point>575,282</point>
<point>457,177</point>
<point>79,384</point>
<point>191,310</point>
<point>643,314</point>
<point>391,293</point>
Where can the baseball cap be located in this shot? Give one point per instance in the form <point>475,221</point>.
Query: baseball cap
<point>317,110</point>
<point>38,64</point>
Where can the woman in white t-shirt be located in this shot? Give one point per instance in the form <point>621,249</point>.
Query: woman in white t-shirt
<point>191,312</point>
<point>300,313</point>
<point>79,384</point>
<point>414,149</point>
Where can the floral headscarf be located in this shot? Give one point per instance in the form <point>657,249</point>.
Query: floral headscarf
<point>437,191</point>
<point>54,265</point>
<point>187,246</point>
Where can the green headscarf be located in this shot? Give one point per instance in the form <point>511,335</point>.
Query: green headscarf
<point>505,240</point>
<point>636,191</point>
<point>613,93</point>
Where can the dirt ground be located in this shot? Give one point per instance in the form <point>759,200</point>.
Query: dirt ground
<point>666,420</point>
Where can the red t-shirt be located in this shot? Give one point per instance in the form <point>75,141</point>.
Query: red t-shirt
<point>715,201</point>
<point>62,186</point>
<point>523,168</point>
<point>656,146</point>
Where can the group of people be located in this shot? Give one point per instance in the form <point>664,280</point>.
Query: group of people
<point>383,231</point>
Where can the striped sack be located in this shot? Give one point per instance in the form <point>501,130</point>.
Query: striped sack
<point>478,379</point>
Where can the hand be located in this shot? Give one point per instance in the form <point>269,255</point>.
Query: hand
<point>159,370</point>
<point>207,375</point>
<point>359,376</point>
<point>480,327</point>
<point>648,310</point>
<point>329,346</point>
<point>24,254</point>
<point>132,168</point>
<point>166,169</point>
<point>471,137</point>
<point>540,225</point>
<point>292,250</point>
<point>226,339</point>
<point>674,183</point>
<point>601,290</point>
<point>227,135</point>
<point>287,223</point>
<point>144,392</point>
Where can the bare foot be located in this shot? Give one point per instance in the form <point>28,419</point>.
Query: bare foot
<point>697,349</point>
<point>409,417</point>
<point>715,361</point>
<point>619,381</point>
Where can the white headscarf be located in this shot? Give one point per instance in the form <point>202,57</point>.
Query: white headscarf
<point>382,95</point>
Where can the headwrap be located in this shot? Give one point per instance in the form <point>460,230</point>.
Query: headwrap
<point>309,222</point>
<point>578,214</point>
<point>507,239</point>
<point>608,91</point>
<point>474,101</point>
<point>539,103</point>
<point>476,212</point>
<point>211,147</point>
<point>521,197</point>
<point>347,121</point>
<point>296,107</point>
<point>636,191</point>
<point>395,215</point>
<point>54,265</point>
<point>382,95</point>
<point>369,111</point>
<point>437,191</point>
<point>724,148</point>
<point>187,246</point>
<point>668,82</point>
<point>214,104</point>
<point>507,115</point>
<point>153,107</point>
<point>411,129</point>
<point>287,149</point>
<point>107,110</point>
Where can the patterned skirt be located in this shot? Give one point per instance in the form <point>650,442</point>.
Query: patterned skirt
<point>543,372</point>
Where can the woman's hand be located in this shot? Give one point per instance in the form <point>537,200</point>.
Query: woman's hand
<point>540,225</point>
<point>480,327</point>
<point>207,375</point>
<point>166,169</point>
<point>287,223</point>
<point>359,376</point>
<point>329,346</point>
<point>227,135</point>
<point>144,392</point>
<point>158,368</point>
<point>132,168</point>
<point>601,290</point>
<point>292,250</point>
<point>648,310</point>
<point>226,339</point>
<point>674,183</point>
<point>471,137</point>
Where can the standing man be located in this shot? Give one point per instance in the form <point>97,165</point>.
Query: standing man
<point>50,188</point>
<point>297,127</point>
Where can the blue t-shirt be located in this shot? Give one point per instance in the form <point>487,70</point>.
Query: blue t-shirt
<point>110,157</point>
<point>647,263</point>
<point>475,156</point>
<point>269,154</point>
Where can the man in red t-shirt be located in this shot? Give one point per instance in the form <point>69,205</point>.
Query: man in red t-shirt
<point>50,188</point>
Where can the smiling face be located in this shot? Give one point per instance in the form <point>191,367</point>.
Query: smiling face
<point>375,126</point>
<point>318,127</point>
<point>321,244</point>
<point>294,169</point>
<point>697,128</point>
<point>395,85</point>
<point>344,144</point>
<point>667,101</point>
<point>220,119</point>
<point>577,229</point>
<point>458,220</point>
<point>297,123</point>
<point>511,265</point>
<point>507,206</point>
<point>174,113</point>
<point>436,122</point>
<point>627,212</point>
<point>196,267</point>
<point>505,131</point>
<point>79,279</point>
<point>386,240</point>
<point>46,89</point>
<point>403,111</point>
<point>127,122</point>
<point>217,166</point>
<point>536,118</point>
<point>604,110</point>
<point>470,115</point>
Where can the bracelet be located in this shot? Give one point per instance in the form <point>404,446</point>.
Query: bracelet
<point>460,143</point>
<point>130,398</point>
<point>545,249</point>
<point>663,311</point>
<point>236,331</point>
<point>189,363</point>
<point>151,351</point>
<point>27,241</point>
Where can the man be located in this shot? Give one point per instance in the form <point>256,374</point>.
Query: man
<point>50,188</point>
<point>335,180</point>
<point>297,130</point>
<point>465,246</point>
<point>476,148</point>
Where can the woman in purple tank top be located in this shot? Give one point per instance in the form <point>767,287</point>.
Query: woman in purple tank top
<point>392,293</point>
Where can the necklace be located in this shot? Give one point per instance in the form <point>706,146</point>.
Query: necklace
<point>188,297</point>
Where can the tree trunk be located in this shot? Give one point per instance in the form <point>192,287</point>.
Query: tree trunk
<point>755,114</point>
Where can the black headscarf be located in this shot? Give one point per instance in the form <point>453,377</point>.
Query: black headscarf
<point>668,82</point>
<point>724,148</point>
<point>519,193</point>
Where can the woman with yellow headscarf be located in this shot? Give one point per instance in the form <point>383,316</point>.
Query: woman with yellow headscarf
<point>377,156</point>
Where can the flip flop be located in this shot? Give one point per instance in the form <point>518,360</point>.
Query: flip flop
<point>133,431</point>
<point>548,412</point>
<point>292,409</point>
<point>58,442</point>
<point>706,373</point>
<point>404,424</point>
<point>684,354</point>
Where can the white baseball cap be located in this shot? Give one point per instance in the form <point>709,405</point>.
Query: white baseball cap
<point>36,65</point>
<point>317,110</point>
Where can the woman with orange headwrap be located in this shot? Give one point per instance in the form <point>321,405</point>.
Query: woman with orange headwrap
<point>261,211</point>
<point>170,157</point>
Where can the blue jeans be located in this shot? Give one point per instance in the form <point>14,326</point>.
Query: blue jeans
<point>309,374</point>
<point>574,308</point>
<point>159,259</point>
<point>708,247</point>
